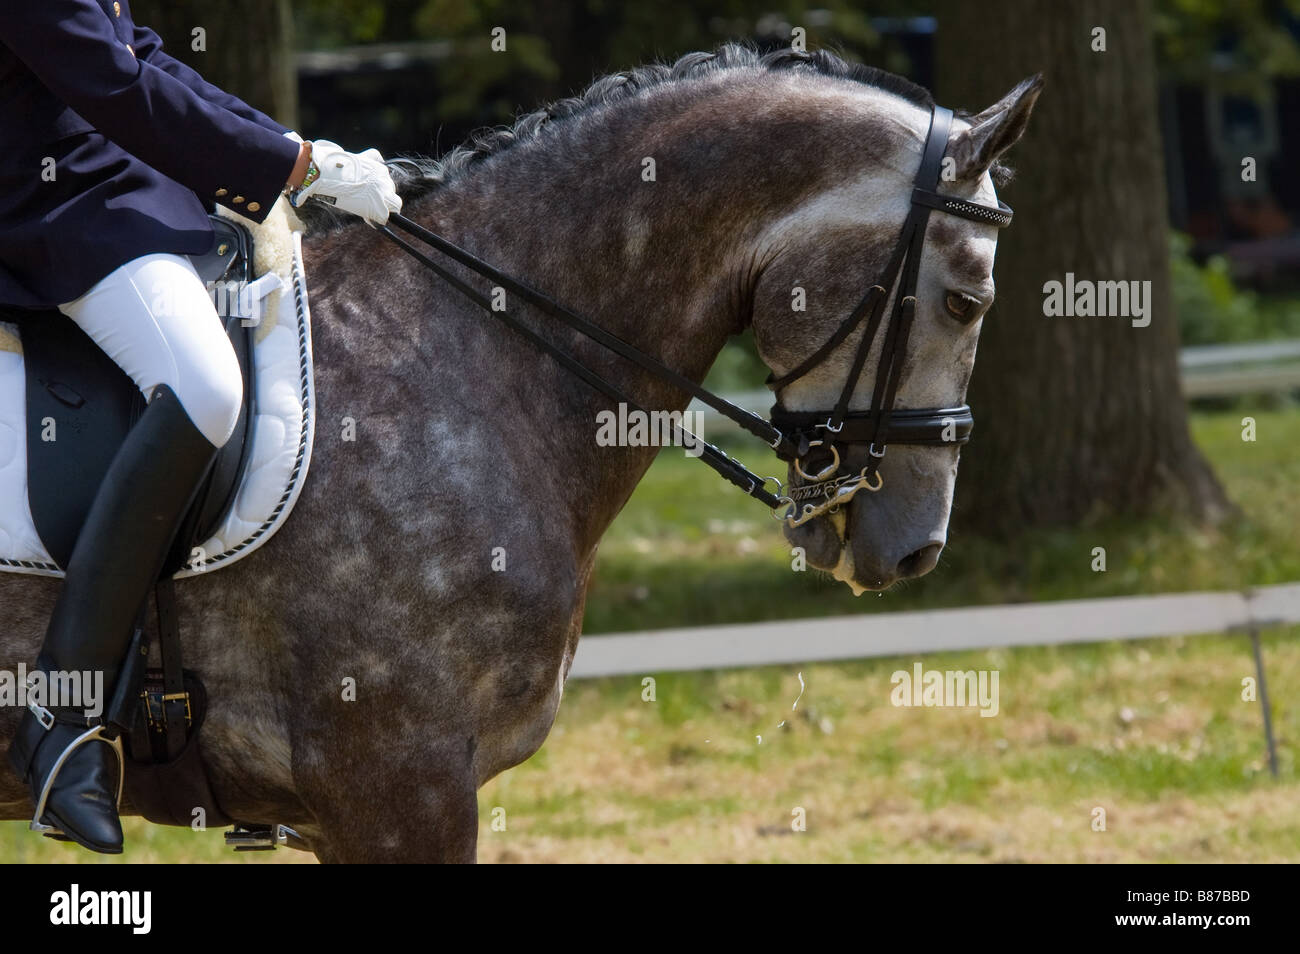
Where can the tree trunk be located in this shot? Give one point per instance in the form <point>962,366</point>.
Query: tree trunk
<point>1077,417</point>
<point>248,47</point>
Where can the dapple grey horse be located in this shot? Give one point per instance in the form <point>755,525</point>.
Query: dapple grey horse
<point>770,171</point>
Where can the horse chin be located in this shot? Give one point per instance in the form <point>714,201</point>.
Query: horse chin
<point>847,556</point>
<point>825,549</point>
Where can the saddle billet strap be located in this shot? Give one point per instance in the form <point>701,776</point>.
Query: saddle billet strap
<point>175,701</point>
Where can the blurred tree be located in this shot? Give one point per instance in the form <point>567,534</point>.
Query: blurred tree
<point>246,47</point>
<point>1077,416</point>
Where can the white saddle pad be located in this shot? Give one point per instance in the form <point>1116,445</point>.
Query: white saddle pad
<point>281,430</point>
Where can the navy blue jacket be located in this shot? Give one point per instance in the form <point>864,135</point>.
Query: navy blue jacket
<point>109,149</point>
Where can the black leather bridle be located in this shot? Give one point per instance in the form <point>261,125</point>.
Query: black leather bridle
<point>792,434</point>
<point>881,425</point>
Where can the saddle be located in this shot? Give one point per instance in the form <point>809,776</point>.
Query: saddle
<point>75,391</point>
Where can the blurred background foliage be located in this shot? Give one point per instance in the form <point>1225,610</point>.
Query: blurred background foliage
<point>1192,36</point>
<point>1212,309</point>
<point>560,48</point>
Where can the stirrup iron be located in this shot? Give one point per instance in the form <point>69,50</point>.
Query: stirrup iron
<point>93,734</point>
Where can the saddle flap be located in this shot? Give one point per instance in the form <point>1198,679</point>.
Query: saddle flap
<point>80,405</point>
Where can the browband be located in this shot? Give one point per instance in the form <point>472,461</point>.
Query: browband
<point>1001,216</point>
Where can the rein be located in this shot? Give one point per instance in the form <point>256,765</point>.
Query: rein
<point>792,434</point>
<point>728,467</point>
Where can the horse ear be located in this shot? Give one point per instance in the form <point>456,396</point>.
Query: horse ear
<point>995,130</point>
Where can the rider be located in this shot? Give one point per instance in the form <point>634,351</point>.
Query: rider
<point>110,151</point>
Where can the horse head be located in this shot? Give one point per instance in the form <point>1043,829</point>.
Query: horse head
<point>813,265</point>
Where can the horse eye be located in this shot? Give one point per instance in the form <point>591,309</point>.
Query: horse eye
<point>962,307</point>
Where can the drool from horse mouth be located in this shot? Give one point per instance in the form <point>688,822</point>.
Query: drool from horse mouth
<point>843,570</point>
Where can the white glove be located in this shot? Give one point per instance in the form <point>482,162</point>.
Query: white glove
<point>354,182</point>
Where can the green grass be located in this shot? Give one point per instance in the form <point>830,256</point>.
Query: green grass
<point>1154,732</point>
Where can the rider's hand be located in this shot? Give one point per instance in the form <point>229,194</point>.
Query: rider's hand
<point>354,182</point>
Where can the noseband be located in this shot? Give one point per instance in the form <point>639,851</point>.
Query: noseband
<point>827,487</point>
<point>799,437</point>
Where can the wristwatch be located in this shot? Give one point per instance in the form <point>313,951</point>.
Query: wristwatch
<point>313,173</point>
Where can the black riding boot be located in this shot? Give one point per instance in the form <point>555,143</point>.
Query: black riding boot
<point>118,557</point>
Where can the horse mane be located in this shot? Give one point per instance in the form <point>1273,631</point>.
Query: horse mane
<point>415,176</point>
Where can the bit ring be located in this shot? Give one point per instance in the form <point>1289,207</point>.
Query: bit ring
<point>825,473</point>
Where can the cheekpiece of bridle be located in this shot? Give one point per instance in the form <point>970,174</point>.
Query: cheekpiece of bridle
<point>810,441</point>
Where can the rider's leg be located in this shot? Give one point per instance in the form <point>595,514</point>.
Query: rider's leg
<point>153,316</point>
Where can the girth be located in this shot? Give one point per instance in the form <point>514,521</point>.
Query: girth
<point>794,435</point>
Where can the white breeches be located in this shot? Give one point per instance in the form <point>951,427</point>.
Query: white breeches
<point>154,317</point>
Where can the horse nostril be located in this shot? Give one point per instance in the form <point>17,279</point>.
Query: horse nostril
<point>919,562</point>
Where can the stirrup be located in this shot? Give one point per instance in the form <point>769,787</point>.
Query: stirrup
<point>259,837</point>
<point>93,734</point>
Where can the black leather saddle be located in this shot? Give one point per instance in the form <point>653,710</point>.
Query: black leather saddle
<point>80,405</point>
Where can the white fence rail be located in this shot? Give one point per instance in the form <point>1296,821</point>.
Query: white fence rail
<point>914,633</point>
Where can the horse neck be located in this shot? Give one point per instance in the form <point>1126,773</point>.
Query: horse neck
<point>639,267</point>
<point>665,263</point>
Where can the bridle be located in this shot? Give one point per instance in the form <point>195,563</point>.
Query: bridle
<point>881,425</point>
<point>794,435</point>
